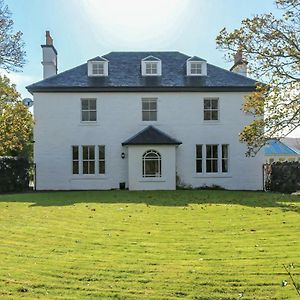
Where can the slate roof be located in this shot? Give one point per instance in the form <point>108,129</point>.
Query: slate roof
<point>125,75</point>
<point>275,147</point>
<point>151,58</point>
<point>196,58</point>
<point>98,58</point>
<point>151,136</point>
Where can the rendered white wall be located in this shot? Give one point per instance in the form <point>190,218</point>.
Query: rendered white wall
<point>58,127</point>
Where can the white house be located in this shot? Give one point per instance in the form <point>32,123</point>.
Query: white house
<point>149,120</point>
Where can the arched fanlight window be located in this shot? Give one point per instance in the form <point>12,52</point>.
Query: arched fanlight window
<point>151,164</point>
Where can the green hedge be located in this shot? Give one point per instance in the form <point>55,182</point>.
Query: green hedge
<point>14,174</point>
<point>285,177</point>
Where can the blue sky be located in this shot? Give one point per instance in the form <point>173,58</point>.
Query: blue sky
<point>83,29</point>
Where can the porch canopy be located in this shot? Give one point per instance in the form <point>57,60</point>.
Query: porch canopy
<point>151,136</point>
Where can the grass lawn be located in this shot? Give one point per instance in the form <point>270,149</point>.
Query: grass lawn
<point>149,245</point>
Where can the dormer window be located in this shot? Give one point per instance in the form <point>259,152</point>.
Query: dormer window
<point>98,67</point>
<point>196,66</point>
<point>151,66</point>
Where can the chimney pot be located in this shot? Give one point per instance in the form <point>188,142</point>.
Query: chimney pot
<point>238,57</point>
<point>49,40</point>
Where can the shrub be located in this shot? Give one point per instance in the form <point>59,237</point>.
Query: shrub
<point>284,177</point>
<point>14,174</point>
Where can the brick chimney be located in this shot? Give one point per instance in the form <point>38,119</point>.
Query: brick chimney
<point>240,64</point>
<point>49,57</point>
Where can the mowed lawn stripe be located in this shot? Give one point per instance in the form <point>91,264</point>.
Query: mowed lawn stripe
<point>148,245</point>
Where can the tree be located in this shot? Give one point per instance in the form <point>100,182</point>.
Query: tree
<point>16,122</point>
<point>272,48</point>
<point>12,54</point>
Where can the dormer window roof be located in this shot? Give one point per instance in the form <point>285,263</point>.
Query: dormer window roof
<point>196,66</point>
<point>151,66</point>
<point>98,66</point>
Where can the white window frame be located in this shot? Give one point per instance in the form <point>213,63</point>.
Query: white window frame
<point>196,68</point>
<point>199,158</point>
<point>224,158</point>
<point>76,160</point>
<point>88,160</point>
<point>203,67</point>
<point>145,160</point>
<point>88,110</point>
<point>104,65</point>
<point>101,160</point>
<point>146,62</point>
<point>98,68</point>
<point>211,160</point>
<point>217,161</point>
<point>211,110</point>
<point>149,110</point>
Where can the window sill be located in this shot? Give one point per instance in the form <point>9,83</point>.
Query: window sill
<point>89,177</point>
<point>89,123</point>
<point>212,175</point>
<point>152,179</point>
<point>211,122</point>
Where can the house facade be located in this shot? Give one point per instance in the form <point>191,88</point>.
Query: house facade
<point>143,120</point>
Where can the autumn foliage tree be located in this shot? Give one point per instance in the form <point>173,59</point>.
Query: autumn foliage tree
<point>16,122</point>
<point>272,48</point>
<point>12,53</point>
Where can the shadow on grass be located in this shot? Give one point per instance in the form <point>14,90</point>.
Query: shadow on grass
<point>159,198</point>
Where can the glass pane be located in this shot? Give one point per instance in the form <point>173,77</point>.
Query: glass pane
<point>215,165</point>
<point>93,116</point>
<point>215,151</point>
<point>224,165</point>
<point>199,151</point>
<point>214,103</point>
<point>92,104</point>
<point>198,166</point>
<point>224,151</point>
<point>84,104</point>
<point>207,104</point>
<point>207,115</point>
<point>92,167</point>
<point>208,166</point>
<point>214,115</point>
<point>146,116</point>
<point>85,169</point>
<point>152,105</point>
<point>208,151</point>
<point>151,167</point>
<point>101,152</point>
<point>152,116</point>
<point>85,116</point>
<point>101,167</point>
<point>91,152</point>
<point>146,105</point>
<point>84,152</point>
<point>75,152</point>
<point>75,167</point>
